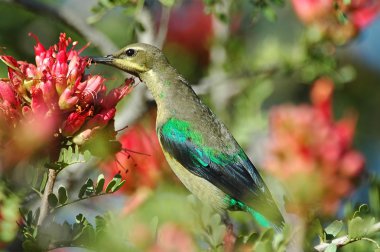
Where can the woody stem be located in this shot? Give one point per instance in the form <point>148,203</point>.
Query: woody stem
<point>48,190</point>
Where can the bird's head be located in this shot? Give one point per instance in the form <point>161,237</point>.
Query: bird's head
<point>135,59</point>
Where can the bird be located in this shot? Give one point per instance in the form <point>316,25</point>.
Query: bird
<point>196,144</point>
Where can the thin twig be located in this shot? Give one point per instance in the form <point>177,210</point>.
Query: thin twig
<point>44,209</point>
<point>344,240</point>
<point>80,199</point>
<point>163,28</point>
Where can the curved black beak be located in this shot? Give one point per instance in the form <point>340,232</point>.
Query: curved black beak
<point>102,60</point>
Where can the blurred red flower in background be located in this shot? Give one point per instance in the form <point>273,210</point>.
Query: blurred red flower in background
<point>190,28</point>
<point>312,154</point>
<point>141,161</point>
<point>323,13</point>
<point>41,104</point>
<point>171,237</point>
<point>189,34</point>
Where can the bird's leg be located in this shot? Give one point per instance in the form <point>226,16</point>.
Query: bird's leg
<point>229,237</point>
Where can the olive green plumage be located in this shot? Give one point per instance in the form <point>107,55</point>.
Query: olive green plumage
<point>198,147</point>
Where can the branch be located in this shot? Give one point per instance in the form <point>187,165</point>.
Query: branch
<point>48,190</point>
<point>344,240</point>
<point>163,28</point>
<point>69,17</point>
<point>80,199</point>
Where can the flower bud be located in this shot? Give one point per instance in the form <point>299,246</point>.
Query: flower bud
<point>67,100</point>
<point>84,136</point>
<point>7,94</point>
<point>73,123</point>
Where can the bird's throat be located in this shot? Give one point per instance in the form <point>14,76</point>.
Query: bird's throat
<point>171,92</point>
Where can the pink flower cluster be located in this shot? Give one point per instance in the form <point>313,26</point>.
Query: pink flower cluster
<point>312,154</point>
<point>53,99</point>
<point>323,13</point>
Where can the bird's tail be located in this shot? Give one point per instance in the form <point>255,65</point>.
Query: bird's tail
<point>276,223</point>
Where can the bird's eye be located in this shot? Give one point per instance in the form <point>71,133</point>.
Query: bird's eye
<point>130,52</point>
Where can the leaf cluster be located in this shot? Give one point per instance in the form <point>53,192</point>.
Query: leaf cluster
<point>80,234</point>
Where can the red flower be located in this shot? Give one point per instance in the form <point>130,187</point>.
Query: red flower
<point>171,237</point>
<point>311,10</point>
<point>53,97</point>
<point>362,12</point>
<point>141,160</point>
<point>190,32</point>
<point>307,147</point>
<point>323,13</point>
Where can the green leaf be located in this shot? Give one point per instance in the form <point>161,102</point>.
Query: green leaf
<point>267,235</point>
<point>100,223</point>
<point>359,227</point>
<point>23,212</point>
<point>86,155</point>
<point>69,155</point>
<point>167,3</point>
<point>354,227</point>
<point>87,235</point>
<point>331,248</point>
<point>317,229</point>
<point>62,195</point>
<point>270,14</point>
<point>30,245</point>
<point>263,246</point>
<point>36,216</point>
<point>110,185</point>
<point>99,184</point>
<point>76,152</point>
<point>363,209</point>
<point>61,155</point>
<point>154,225</point>
<point>80,218</point>
<point>90,187</point>
<point>117,178</point>
<point>82,191</point>
<point>29,218</point>
<point>334,228</point>
<point>115,182</point>
<point>252,238</point>
<point>117,187</point>
<point>342,17</point>
<point>52,200</point>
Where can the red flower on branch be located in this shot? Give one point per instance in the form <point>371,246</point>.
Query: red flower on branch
<point>312,154</point>
<point>324,13</point>
<point>53,99</point>
<point>141,161</point>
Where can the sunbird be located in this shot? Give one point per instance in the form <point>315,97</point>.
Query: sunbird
<point>197,145</point>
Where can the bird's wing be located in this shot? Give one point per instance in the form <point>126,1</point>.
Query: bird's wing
<point>234,173</point>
